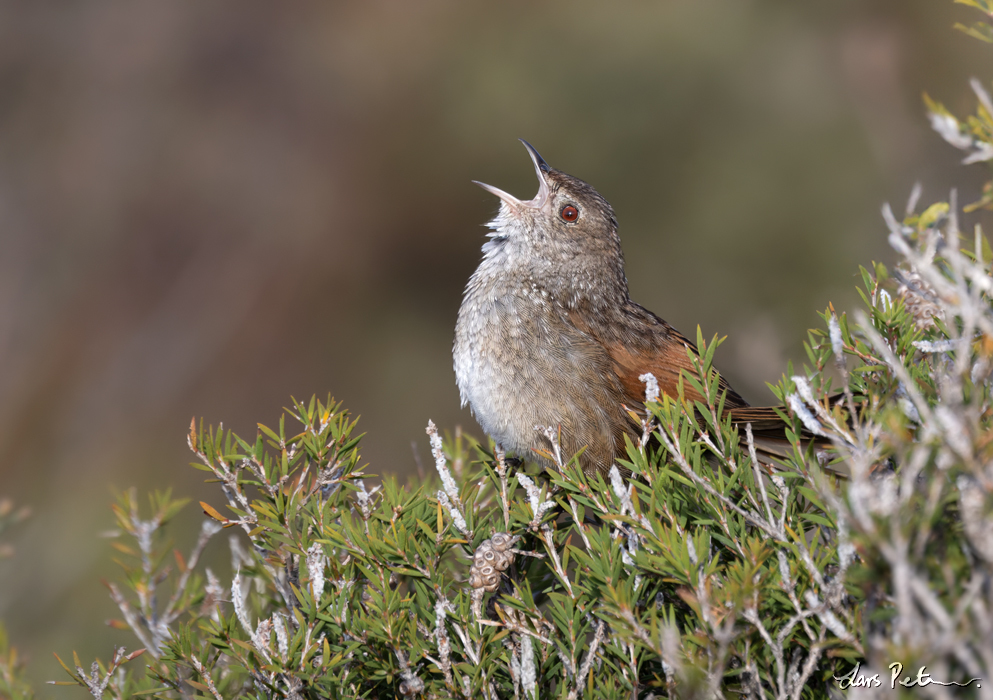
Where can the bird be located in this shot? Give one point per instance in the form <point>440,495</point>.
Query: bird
<point>547,333</point>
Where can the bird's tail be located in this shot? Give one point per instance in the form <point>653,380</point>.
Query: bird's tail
<point>769,436</point>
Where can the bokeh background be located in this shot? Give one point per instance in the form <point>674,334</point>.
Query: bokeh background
<point>206,208</point>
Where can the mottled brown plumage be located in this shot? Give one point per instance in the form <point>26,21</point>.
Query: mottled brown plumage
<point>547,334</point>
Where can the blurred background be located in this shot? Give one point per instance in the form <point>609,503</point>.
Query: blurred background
<point>206,208</point>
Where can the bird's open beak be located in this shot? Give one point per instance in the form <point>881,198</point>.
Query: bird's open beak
<point>540,167</point>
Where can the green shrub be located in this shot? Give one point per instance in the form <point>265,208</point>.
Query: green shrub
<point>705,574</point>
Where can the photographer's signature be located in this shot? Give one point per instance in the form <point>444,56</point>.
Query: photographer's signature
<point>856,679</point>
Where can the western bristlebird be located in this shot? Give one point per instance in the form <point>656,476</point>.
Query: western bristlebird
<point>548,335</point>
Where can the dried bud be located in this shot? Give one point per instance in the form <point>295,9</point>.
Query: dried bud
<point>492,557</point>
<point>411,686</point>
<point>485,556</point>
<point>501,541</point>
<point>920,299</point>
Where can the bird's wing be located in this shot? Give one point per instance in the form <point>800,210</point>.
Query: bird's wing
<point>642,342</point>
<point>639,342</point>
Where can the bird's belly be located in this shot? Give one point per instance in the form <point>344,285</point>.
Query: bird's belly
<point>501,376</point>
<point>519,373</point>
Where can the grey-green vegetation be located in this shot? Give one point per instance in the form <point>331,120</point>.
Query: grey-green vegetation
<point>704,575</point>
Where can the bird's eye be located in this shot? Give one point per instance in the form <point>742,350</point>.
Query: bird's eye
<point>569,213</point>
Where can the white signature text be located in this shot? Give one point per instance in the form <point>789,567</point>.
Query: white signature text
<point>857,679</point>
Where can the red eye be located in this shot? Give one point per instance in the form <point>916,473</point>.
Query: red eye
<point>569,213</point>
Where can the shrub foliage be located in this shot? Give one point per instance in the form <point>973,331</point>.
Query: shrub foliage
<point>706,573</point>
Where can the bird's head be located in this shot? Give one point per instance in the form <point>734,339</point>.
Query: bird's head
<point>565,236</point>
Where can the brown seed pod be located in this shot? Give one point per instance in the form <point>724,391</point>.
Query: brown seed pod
<point>492,557</point>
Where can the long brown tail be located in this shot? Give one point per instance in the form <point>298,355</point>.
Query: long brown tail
<point>769,434</point>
